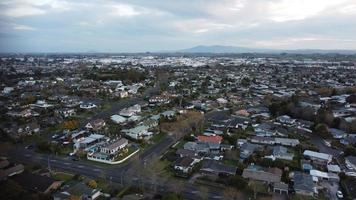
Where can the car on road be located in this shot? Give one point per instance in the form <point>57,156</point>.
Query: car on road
<point>339,194</point>
<point>75,159</point>
<point>55,136</point>
<point>29,146</point>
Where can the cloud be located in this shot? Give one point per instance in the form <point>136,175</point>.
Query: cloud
<point>123,10</point>
<point>25,8</point>
<point>22,27</point>
<point>162,24</point>
<point>200,26</point>
<point>23,11</point>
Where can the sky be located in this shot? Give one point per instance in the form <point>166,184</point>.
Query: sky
<point>157,25</point>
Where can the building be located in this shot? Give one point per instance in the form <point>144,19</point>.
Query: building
<point>247,149</point>
<point>79,189</point>
<point>139,132</point>
<point>184,165</point>
<point>37,183</point>
<point>337,133</point>
<point>118,119</point>
<point>287,141</point>
<point>303,184</point>
<point>217,168</point>
<point>115,147</point>
<point>280,188</point>
<point>258,173</point>
<point>96,124</point>
<point>318,158</point>
<point>210,139</point>
<point>350,162</point>
<point>86,142</point>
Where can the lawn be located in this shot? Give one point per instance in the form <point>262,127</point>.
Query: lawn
<point>158,137</point>
<point>123,155</point>
<point>62,176</point>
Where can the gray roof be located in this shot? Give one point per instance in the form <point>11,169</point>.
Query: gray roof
<point>351,159</point>
<point>217,168</point>
<point>303,182</point>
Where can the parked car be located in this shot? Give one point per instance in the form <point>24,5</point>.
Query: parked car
<point>339,194</point>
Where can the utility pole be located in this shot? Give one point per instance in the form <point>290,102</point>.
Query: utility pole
<point>49,166</point>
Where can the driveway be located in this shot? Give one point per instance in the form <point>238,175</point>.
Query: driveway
<point>331,188</point>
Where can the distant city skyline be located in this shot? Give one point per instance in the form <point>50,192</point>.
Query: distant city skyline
<point>161,25</point>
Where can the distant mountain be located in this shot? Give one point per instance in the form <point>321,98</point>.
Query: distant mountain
<point>219,49</point>
<point>235,49</point>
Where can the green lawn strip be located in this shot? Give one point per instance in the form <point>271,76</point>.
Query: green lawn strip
<point>62,176</point>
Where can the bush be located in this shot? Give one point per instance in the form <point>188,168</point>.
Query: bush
<point>92,184</point>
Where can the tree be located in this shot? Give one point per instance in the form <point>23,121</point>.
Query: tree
<point>92,184</point>
<point>231,193</point>
<point>238,182</point>
<point>245,82</point>
<point>322,131</point>
<point>351,99</point>
<point>70,124</point>
<point>325,115</point>
<point>171,196</point>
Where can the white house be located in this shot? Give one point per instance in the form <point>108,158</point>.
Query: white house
<point>118,119</point>
<point>115,147</point>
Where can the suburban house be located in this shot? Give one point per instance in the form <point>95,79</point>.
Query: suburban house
<point>247,149</point>
<point>258,173</point>
<point>274,140</point>
<point>287,141</point>
<point>337,133</point>
<point>130,111</point>
<point>318,158</point>
<point>115,146</point>
<point>303,184</point>
<point>96,124</point>
<point>217,168</point>
<point>184,165</point>
<point>350,162</point>
<point>186,153</point>
<point>285,119</point>
<point>80,189</point>
<point>263,140</point>
<point>6,172</point>
<point>280,152</point>
<point>210,139</point>
<point>280,188</point>
<point>138,132</point>
<point>37,183</point>
<point>118,119</point>
<point>87,106</point>
<point>66,112</point>
<point>86,142</point>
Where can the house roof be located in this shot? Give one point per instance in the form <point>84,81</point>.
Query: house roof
<point>215,139</point>
<point>303,182</point>
<point>216,167</point>
<point>322,156</point>
<point>116,144</point>
<point>185,152</point>
<point>184,161</point>
<point>351,159</point>
<point>34,182</point>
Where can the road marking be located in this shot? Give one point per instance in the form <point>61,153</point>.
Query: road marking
<point>80,166</point>
<point>97,170</point>
<point>53,160</point>
<point>67,163</point>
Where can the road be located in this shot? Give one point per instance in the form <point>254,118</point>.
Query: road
<point>118,173</point>
<point>323,148</point>
<point>114,109</point>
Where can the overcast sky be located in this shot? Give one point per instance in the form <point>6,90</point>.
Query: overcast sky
<point>153,25</point>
